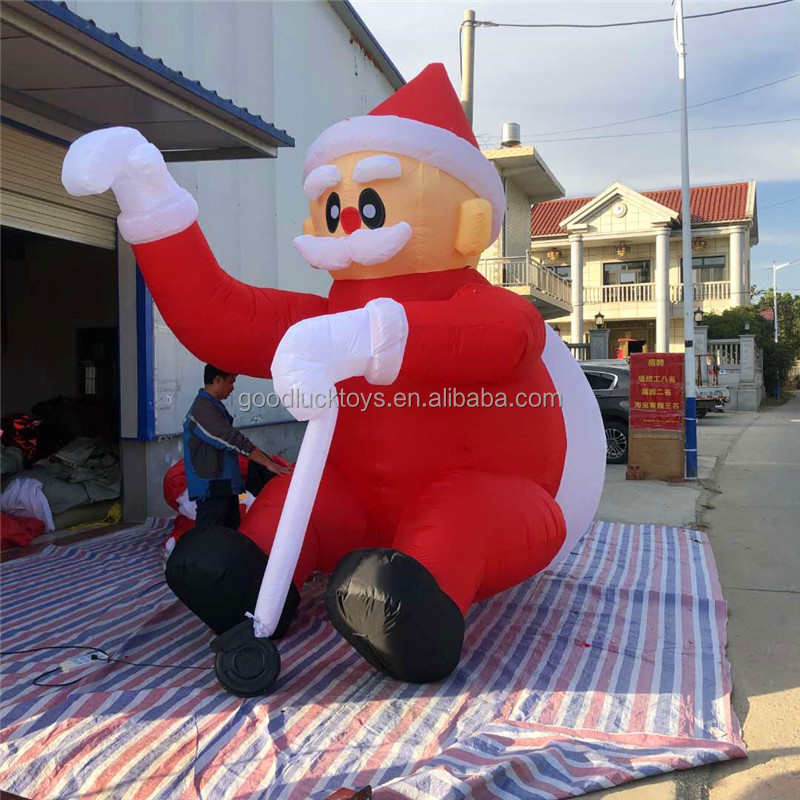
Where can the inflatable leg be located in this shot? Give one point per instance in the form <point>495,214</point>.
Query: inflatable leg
<point>467,536</point>
<point>216,572</point>
<point>339,523</point>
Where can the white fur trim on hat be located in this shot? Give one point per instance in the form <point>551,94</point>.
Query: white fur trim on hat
<point>407,137</point>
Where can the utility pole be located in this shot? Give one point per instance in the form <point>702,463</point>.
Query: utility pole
<point>775,298</point>
<point>467,62</point>
<point>690,390</point>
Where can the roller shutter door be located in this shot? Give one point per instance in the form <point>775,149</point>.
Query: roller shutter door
<point>33,199</point>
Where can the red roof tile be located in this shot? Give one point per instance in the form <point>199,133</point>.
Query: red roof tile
<point>721,203</point>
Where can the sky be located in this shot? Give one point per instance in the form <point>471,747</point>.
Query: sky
<point>553,80</point>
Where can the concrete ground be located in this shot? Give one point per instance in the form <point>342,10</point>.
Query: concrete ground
<point>749,504</point>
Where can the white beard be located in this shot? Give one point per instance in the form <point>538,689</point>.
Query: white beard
<point>364,246</point>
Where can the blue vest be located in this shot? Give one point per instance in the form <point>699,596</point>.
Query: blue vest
<point>220,462</point>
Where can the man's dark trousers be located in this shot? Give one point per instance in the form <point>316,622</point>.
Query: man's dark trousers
<point>218,511</point>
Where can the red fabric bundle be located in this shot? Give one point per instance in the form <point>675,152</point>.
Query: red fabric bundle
<point>175,486</point>
<point>18,531</point>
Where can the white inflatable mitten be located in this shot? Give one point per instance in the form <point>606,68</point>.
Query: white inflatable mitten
<point>152,205</point>
<point>316,353</point>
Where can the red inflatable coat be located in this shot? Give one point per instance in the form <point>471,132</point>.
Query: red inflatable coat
<point>471,492</point>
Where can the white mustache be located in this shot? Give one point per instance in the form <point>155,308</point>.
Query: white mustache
<point>364,246</point>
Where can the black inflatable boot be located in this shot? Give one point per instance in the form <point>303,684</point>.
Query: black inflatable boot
<point>217,573</point>
<point>391,610</point>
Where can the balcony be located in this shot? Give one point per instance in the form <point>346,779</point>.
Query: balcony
<point>549,292</point>
<point>646,293</point>
<point>708,290</point>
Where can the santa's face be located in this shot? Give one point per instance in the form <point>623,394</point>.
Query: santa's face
<point>377,215</point>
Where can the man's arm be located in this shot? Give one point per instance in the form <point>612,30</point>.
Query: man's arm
<point>214,428</point>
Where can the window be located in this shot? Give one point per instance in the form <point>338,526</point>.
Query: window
<point>89,378</point>
<point>599,380</point>
<point>564,272</point>
<point>709,268</point>
<point>625,272</point>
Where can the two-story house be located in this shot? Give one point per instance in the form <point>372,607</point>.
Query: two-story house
<point>622,252</point>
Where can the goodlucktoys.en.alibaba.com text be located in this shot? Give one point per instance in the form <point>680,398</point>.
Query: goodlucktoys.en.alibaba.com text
<point>445,399</point>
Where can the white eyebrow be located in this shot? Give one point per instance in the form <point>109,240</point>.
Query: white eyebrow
<point>320,179</point>
<point>375,168</point>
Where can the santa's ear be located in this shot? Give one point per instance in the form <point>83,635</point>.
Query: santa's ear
<point>474,226</point>
<point>308,227</point>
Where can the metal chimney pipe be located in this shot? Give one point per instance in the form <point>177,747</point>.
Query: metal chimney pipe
<point>510,136</point>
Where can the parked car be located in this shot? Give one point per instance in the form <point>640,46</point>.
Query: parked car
<point>611,383</point>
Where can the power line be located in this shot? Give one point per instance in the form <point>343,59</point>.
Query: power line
<point>659,114</point>
<point>781,203</point>
<point>488,24</point>
<point>661,133</point>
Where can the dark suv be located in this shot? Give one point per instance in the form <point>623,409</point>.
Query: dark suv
<point>611,383</point>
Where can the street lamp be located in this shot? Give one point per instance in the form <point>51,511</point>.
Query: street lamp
<point>599,319</point>
<point>747,327</point>
<point>698,316</point>
<point>775,267</point>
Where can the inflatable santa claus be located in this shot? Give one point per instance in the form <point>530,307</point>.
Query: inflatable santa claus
<point>477,455</point>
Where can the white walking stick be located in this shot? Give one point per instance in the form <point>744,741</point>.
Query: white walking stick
<point>247,663</point>
<point>294,521</point>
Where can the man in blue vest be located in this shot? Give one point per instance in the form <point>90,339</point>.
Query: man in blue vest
<point>211,450</point>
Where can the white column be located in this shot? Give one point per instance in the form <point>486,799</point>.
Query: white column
<point>738,294</point>
<point>576,273</point>
<point>662,290</point>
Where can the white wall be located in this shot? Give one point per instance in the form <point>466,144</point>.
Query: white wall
<point>517,221</point>
<point>295,65</point>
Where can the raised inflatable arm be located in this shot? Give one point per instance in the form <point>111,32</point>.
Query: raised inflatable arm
<point>219,319</point>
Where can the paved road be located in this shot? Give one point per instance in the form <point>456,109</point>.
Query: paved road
<point>752,509</point>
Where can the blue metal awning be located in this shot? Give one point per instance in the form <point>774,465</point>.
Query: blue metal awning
<point>66,69</point>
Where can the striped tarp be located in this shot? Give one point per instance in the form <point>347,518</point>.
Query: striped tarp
<point>609,668</point>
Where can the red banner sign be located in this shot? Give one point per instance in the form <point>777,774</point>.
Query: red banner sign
<point>657,391</point>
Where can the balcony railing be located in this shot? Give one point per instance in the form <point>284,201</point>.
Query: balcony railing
<point>580,351</point>
<point>524,271</point>
<point>646,292</point>
<point>620,293</point>
<point>705,290</point>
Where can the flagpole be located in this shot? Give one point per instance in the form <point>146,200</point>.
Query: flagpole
<point>690,390</point>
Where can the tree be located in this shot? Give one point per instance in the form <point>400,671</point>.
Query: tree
<point>788,318</point>
<point>778,358</point>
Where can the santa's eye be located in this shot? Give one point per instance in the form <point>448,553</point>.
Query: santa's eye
<point>332,211</point>
<point>371,208</point>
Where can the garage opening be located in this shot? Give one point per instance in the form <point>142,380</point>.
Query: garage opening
<point>60,379</point>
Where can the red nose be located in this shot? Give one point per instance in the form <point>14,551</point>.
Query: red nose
<point>351,219</point>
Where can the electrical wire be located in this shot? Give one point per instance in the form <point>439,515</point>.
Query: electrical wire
<point>488,24</point>
<point>52,647</point>
<point>37,680</point>
<point>148,664</point>
<point>781,203</point>
<point>661,133</point>
<point>98,654</point>
<point>653,116</point>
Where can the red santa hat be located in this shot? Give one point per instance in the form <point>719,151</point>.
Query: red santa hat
<point>423,120</point>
